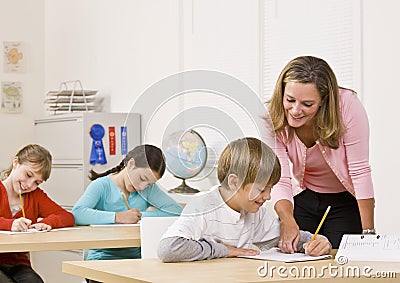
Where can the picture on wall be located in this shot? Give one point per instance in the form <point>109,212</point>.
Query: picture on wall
<point>14,61</point>
<point>11,97</point>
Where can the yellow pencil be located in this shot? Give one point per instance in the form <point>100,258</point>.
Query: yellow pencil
<point>22,204</point>
<point>125,200</point>
<point>320,223</point>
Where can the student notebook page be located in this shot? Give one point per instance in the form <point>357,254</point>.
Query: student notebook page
<point>276,255</point>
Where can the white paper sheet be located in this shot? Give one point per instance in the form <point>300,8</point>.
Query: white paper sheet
<point>369,248</point>
<point>115,225</point>
<point>37,231</point>
<point>277,255</point>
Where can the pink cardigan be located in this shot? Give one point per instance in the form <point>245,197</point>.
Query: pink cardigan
<point>350,162</point>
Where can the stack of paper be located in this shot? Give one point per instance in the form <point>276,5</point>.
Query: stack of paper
<point>73,101</point>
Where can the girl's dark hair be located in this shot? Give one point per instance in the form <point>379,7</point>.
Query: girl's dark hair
<point>145,156</point>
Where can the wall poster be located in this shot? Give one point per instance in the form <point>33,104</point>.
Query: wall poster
<point>11,97</point>
<point>14,61</point>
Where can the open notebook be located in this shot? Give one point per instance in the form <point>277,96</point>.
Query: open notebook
<point>276,255</point>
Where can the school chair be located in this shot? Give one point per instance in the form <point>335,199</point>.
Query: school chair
<point>151,231</point>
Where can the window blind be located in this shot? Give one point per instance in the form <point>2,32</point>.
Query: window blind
<point>329,29</point>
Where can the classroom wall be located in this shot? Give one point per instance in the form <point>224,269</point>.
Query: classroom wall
<point>381,59</point>
<point>23,21</point>
<point>117,47</point>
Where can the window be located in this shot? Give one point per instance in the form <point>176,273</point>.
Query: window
<point>329,29</point>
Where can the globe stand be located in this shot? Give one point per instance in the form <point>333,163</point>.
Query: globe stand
<point>184,189</point>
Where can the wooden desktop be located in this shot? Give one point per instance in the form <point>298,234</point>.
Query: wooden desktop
<point>83,237</point>
<point>229,270</point>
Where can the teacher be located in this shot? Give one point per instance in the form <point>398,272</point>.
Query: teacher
<point>322,131</point>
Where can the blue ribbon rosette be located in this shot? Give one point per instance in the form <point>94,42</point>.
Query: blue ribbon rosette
<point>97,154</point>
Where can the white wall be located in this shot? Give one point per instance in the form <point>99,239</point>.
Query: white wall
<point>381,60</point>
<point>23,21</point>
<point>118,47</point>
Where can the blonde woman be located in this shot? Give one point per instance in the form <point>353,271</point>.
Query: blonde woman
<point>322,130</point>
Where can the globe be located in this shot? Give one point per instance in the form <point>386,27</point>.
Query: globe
<point>186,155</point>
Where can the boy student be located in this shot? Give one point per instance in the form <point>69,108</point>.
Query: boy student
<point>229,219</point>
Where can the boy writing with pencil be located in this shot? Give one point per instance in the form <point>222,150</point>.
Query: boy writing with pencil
<point>230,218</point>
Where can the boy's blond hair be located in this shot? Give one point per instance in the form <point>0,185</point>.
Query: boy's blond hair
<point>251,160</point>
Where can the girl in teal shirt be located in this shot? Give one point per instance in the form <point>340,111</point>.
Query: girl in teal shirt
<point>123,194</point>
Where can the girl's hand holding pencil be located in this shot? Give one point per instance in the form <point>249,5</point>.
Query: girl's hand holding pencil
<point>131,216</point>
<point>126,217</point>
<point>21,224</point>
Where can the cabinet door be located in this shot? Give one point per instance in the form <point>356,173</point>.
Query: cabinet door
<point>65,185</point>
<point>63,138</point>
<point>49,265</point>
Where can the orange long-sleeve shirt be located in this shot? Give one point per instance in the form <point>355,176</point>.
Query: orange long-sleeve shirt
<point>36,205</point>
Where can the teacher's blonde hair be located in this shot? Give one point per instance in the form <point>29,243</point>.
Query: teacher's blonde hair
<point>328,119</point>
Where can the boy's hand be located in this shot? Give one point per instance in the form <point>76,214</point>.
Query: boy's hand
<point>320,246</point>
<point>126,217</point>
<point>40,226</point>
<point>21,224</point>
<point>234,252</point>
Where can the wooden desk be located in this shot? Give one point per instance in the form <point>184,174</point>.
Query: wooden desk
<point>85,237</point>
<point>216,270</point>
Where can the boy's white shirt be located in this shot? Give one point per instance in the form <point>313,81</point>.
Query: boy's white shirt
<point>208,216</point>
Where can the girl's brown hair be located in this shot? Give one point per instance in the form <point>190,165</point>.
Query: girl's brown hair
<point>32,154</point>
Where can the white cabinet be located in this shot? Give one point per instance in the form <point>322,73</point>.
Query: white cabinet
<point>67,137</point>
<point>49,265</point>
